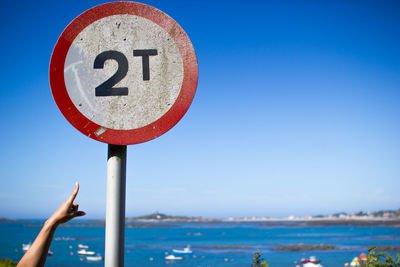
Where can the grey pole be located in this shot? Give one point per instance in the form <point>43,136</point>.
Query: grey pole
<point>115,206</point>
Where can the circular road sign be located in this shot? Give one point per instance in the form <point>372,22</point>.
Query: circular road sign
<point>123,73</point>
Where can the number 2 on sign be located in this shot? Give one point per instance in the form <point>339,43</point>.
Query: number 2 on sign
<point>106,88</point>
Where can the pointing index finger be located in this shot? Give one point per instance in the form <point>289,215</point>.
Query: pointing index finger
<point>73,195</point>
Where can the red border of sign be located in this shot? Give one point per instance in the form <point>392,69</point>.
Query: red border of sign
<point>139,135</point>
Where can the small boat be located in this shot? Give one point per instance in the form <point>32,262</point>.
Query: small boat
<point>83,246</point>
<point>312,259</point>
<point>86,252</point>
<point>94,258</point>
<point>25,247</point>
<point>183,251</point>
<point>311,262</point>
<point>173,258</point>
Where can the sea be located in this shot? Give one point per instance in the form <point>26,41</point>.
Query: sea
<point>212,244</point>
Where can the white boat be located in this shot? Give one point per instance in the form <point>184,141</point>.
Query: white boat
<point>83,246</point>
<point>86,252</point>
<point>183,251</point>
<point>173,258</point>
<point>25,247</point>
<point>312,262</point>
<point>94,258</point>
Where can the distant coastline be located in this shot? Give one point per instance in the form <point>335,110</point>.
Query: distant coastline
<point>292,222</point>
<point>384,218</point>
<point>7,220</point>
<point>380,218</point>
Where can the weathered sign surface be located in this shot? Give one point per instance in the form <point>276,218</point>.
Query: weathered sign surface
<point>123,73</point>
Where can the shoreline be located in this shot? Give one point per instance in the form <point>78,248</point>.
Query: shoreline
<point>270,222</point>
<point>290,222</point>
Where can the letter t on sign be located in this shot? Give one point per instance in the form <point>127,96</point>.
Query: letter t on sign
<point>145,53</point>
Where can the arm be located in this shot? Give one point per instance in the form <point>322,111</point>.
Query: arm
<point>37,253</point>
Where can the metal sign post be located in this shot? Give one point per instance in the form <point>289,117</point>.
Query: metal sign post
<point>122,73</point>
<point>115,206</point>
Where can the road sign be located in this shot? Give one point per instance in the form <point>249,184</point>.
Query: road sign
<point>123,73</point>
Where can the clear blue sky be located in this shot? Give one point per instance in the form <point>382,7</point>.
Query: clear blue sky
<point>297,112</point>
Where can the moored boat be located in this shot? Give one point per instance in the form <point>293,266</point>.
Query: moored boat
<point>311,262</point>
<point>83,246</point>
<point>86,252</point>
<point>94,258</point>
<point>25,247</point>
<point>173,258</point>
<point>183,251</point>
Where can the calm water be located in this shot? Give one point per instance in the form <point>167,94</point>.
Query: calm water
<point>141,244</point>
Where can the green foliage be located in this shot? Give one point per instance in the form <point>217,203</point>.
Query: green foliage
<point>258,260</point>
<point>382,259</point>
<point>7,263</point>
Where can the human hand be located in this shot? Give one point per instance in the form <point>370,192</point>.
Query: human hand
<point>68,210</point>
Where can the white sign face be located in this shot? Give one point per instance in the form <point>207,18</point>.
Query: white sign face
<point>117,78</point>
